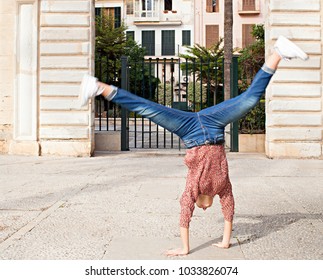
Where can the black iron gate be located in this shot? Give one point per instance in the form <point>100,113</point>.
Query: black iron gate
<point>173,82</point>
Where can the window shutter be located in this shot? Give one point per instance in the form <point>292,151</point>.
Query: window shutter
<point>148,42</point>
<point>217,6</point>
<point>168,42</point>
<point>186,38</point>
<point>247,38</point>
<point>248,5</point>
<point>209,6</point>
<point>212,35</point>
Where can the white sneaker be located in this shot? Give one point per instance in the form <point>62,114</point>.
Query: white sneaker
<point>89,88</point>
<point>288,50</point>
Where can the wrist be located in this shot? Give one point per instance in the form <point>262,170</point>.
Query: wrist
<point>186,250</point>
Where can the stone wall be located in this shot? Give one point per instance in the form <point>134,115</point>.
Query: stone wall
<point>294,98</point>
<point>7,39</point>
<point>43,58</point>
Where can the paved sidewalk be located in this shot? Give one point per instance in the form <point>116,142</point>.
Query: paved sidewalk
<point>126,206</point>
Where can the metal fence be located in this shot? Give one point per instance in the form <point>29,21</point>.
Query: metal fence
<point>173,82</point>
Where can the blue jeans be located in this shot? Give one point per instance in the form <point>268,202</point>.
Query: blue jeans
<point>203,127</point>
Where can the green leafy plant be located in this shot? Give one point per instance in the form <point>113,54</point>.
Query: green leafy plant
<point>111,45</point>
<point>207,66</point>
<point>204,61</point>
<point>250,61</point>
<point>110,42</point>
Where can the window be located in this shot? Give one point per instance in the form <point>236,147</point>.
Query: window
<point>212,35</point>
<point>168,42</point>
<point>248,5</point>
<point>147,5</point>
<point>130,35</point>
<point>147,8</point>
<point>186,37</point>
<point>114,13</point>
<point>129,7</point>
<point>247,38</point>
<point>117,17</point>
<point>212,6</point>
<point>168,5</point>
<point>98,11</point>
<point>148,42</point>
<point>109,12</point>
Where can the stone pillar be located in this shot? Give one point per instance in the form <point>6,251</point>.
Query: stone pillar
<point>25,71</point>
<point>7,62</point>
<point>66,54</point>
<point>294,97</point>
<point>45,49</point>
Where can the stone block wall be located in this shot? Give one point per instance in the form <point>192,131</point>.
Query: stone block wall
<point>40,112</point>
<point>294,97</point>
<point>7,20</point>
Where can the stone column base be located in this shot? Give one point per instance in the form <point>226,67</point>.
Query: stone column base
<point>30,148</point>
<point>252,143</point>
<point>108,141</point>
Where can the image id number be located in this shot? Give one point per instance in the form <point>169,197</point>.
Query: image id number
<point>208,270</point>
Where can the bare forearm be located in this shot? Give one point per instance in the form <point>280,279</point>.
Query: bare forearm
<point>226,236</point>
<point>185,239</point>
<point>227,233</point>
<point>186,247</point>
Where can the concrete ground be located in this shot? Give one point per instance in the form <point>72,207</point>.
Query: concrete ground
<point>126,206</point>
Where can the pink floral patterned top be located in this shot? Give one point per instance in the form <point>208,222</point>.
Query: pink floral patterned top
<point>207,174</point>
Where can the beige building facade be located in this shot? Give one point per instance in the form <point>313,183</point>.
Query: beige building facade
<point>294,98</point>
<point>209,21</point>
<point>45,49</point>
<point>47,46</point>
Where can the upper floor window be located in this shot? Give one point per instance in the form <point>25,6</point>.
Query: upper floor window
<point>146,9</point>
<point>168,5</point>
<point>129,4</point>
<point>114,13</point>
<point>248,5</point>
<point>212,6</point>
<point>147,5</point>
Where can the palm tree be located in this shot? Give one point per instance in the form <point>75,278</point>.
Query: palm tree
<point>200,60</point>
<point>205,64</point>
<point>228,46</point>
